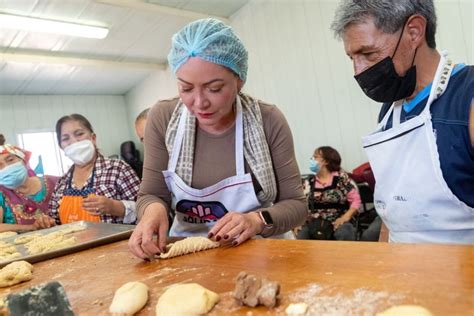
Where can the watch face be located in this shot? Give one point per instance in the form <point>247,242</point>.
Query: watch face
<point>267,218</point>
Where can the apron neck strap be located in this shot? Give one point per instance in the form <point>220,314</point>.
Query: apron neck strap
<point>239,139</point>
<point>439,85</point>
<point>90,185</point>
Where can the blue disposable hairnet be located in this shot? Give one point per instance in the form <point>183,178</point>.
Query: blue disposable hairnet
<point>211,40</point>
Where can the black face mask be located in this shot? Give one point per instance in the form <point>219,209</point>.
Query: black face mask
<point>382,83</point>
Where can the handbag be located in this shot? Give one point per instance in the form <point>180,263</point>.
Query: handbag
<point>320,229</point>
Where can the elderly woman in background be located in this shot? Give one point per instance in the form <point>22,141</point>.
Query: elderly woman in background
<point>222,160</point>
<point>333,199</point>
<point>24,197</point>
<point>95,188</point>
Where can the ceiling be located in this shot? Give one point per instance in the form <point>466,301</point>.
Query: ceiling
<point>137,44</point>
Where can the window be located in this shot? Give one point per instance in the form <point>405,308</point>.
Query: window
<point>45,144</point>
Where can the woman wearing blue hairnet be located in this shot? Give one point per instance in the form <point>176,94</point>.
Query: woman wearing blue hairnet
<point>221,161</point>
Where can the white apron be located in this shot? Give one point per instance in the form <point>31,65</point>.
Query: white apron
<point>197,211</point>
<point>411,194</point>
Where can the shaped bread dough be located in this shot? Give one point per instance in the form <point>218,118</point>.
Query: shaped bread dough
<point>7,234</point>
<point>8,252</point>
<point>186,300</point>
<point>51,241</point>
<point>406,310</point>
<point>15,272</point>
<point>188,245</point>
<point>24,239</point>
<point>129,299</point>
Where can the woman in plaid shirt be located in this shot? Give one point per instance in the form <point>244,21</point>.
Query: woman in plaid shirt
<point>95,188</point>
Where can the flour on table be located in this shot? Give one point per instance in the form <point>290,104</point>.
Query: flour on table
<point>189,299</point>
<point>15,272</point>
<point>188,245</point>
<point>129,299</point>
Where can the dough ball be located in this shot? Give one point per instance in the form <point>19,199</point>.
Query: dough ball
<point>129,298</point>
<point>406,310</point>
<point>296,309</point>
<point>186,300</point>
<point>16,272</point>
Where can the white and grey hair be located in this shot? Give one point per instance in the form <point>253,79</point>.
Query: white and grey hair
<point>389,15</point>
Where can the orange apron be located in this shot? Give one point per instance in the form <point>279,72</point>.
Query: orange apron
<point>70,208</point>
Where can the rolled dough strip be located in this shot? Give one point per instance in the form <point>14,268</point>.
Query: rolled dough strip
<point>188,245</point>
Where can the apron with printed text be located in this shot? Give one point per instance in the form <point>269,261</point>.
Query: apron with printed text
<point>411,194</point>
<point>198,210</point>
<point>70,208</point>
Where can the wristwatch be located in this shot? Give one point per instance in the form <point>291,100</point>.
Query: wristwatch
<point>266,219</point>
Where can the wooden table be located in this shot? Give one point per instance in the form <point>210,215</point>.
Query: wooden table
<point>342,277</point>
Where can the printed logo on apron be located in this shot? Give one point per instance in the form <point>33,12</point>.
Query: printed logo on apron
<point>201,212</point>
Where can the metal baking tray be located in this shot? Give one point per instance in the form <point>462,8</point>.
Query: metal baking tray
<point>95,234</point>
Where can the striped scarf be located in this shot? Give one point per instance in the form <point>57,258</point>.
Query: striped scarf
<point>256,151</point>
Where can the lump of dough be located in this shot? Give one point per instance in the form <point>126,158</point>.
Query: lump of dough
<point>129,299</point>
<point>188,245</point>
<point>296,309</point>
<point>252,290</point>
<point>15,272</point>
<point>189,299</point>
<point>406,310</point>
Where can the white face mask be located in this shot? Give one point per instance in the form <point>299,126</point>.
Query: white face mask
<point>80,152</point>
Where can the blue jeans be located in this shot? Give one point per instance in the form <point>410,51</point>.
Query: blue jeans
<point>373,231</point>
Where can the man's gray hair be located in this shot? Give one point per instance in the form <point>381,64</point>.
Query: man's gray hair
<point>143,115</point>
<point>389,15</point>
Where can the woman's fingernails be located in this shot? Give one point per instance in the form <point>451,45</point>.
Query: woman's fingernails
<point>210,235</point>
<point>218,238</point>
<point>226,236</point>
<point>235,243</point>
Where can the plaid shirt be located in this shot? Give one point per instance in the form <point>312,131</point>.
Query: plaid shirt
<point>114,179</point>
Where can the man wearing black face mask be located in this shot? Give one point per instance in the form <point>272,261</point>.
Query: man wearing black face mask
<point>422,153</point>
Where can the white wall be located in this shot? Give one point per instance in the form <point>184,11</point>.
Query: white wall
<point>157,86</point>
<point>107,114</point>
<point>295,63</point>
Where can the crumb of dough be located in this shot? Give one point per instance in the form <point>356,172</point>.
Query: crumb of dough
<point>7,234</point>
<point>296,309</point>
<point>16,272</point>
